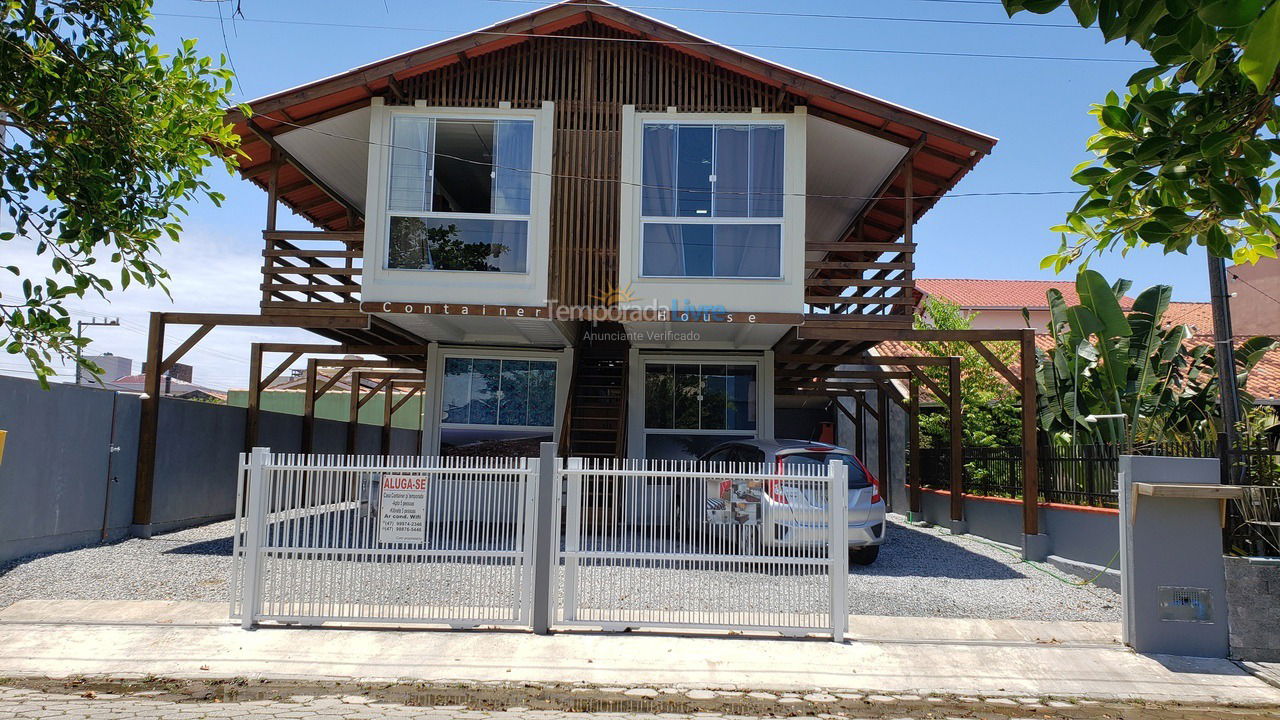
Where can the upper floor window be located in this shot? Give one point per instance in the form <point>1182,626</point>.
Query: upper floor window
<point>459,194</point>
<point>711,202</point>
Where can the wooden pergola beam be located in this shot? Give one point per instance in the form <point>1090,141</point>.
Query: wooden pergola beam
<point>956,456</point>
<point>999,366</point>
<point>167,364</point>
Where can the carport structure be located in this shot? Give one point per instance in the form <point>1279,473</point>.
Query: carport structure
<point>830,358</point>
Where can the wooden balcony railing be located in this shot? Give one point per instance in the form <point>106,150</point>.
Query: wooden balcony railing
<point>312,271</point>
<point>862,282</point>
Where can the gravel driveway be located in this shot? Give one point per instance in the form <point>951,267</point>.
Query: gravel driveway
<point>920,572</point>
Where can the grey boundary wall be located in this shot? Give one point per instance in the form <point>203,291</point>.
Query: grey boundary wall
<point>1082,541</point>
<point>61,486</point>
<point>1253,608</point>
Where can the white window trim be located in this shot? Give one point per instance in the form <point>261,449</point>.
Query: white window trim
<point>749,120</point>
<point>736,294</point>
<point>380,283</point>
<point>435,422</point>
<point>636,362</point>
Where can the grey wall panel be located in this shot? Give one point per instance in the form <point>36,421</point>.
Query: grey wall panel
<point>197,454</point>
<point>53,479</point>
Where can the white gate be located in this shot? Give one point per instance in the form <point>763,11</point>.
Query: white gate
<point>334,538</point>
<point>711,545</point>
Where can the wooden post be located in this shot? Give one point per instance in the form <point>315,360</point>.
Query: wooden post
<point>1030,451</point>
<point>273,193</point>
<point>882,442</point>
<point>860,432</point>
<point>353,413</point>
<point>148,427</point>
<point>309,408</point>
<point>253,402</point>
<point>387,411</point>
<point>957,439</point>
<point>913,418</point>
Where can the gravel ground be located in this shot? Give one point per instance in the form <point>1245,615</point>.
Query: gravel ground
<point>920,572</point>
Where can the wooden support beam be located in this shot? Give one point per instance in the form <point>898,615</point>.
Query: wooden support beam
<point>353,412</point>
<point>1030,447</point>
<point>883,432</point>
<point>387,410</point>
<point>279,369</point>
<point>832,331</point>
<point>254,397</point>
<point>186,346</point>
<point>956,456</point>
<point>332,379</point>
<point>309,408</point>
<point>913,442</point>
<point>345,349</point>
<point>405,398</point>
<point>148,427</point>
<point>849,374</point>
<point>299,321</point>
<point>943,397</point>
<point>373,392</point>
<point>999,366</point>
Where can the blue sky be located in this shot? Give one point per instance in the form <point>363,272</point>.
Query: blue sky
<point>1037,108</point>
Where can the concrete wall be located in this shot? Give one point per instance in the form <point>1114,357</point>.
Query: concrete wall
<point>846,434</point>
<point>1082,541</point>
<point>1253,608</point>
<point>61,486</point>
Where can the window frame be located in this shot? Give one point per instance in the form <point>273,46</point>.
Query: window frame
<point>435,215</point>
<point>380,283</point>
<point>714,122</point>
<point>637,430</point>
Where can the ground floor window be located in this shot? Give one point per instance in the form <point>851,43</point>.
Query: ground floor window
<point>497,407</point>
<point>691,407</point>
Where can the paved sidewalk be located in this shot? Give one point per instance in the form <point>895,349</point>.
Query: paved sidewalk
<point>889,655</point>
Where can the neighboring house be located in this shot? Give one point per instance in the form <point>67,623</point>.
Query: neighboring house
<point>999,304</point>
<point>113,366</point>
<point>286,395</point>
<point>488,196</point>
<point>170,386</point>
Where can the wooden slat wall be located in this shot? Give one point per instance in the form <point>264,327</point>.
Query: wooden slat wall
<point>589,82</point>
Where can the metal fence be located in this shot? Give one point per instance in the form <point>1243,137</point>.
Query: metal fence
<point>651,543</point>
<point>325,538</point>
<point>1078,474</point>
<point>535,542</point>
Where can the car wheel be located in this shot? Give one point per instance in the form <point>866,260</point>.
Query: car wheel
<point>864,555</point>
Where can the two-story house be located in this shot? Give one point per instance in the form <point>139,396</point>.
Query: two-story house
<point>603,229</point>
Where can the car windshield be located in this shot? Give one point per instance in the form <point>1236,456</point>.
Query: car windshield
<point>857,478</point>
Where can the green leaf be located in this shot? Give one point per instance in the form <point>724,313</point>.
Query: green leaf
<point>1230,13</point>
<point>1262,53</point>
<point>1116,118</point>
<point>1096,295</point>
<point>1091,175</point>
<point>1227,197</point>
<point>1154,232</point>
<point>1085,11</point>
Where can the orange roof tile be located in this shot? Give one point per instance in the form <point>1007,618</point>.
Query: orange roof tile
<point>1016,294</point>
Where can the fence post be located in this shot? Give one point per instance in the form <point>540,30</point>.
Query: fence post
<point>545,531</point>
<point>255,521</point>
<point>572,536</point>
<point>838,547</point>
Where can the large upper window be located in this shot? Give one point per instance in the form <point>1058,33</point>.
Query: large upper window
<point>711,202</point>
<point>459,194</point>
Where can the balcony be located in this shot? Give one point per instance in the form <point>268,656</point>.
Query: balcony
<point>312,272</point>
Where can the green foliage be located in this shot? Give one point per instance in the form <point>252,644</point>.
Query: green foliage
<point>988,403</point>
<point>1188,154</point>
<point>106,142</point>
<point>1106,362</point>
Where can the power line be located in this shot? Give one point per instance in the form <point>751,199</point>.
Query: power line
<point>820,16</point>
<point>1259,290</point>
<point>685,43</point>
<point>565,176</point>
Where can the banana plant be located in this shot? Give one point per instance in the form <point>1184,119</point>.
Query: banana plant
<point>1106,362</point>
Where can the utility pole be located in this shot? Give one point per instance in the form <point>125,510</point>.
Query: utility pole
<point>80,326</point>
<point>1224,355</point>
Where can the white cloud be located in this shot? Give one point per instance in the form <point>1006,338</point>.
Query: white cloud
<point>210,272</point>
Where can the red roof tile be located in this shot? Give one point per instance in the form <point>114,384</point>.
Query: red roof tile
<point>1016,294</point>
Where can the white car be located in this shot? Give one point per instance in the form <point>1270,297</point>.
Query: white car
<point>793,514</point>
